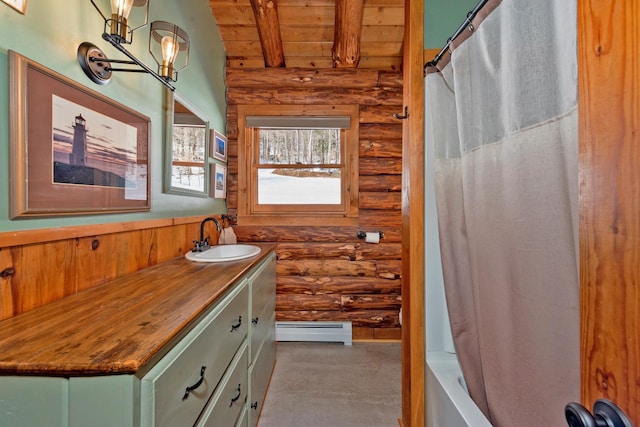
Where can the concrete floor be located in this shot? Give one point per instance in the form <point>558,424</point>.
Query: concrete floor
<point>333,385</point>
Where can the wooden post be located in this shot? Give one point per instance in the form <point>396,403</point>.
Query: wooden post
<point>266,14</point>
<point>346,41</point>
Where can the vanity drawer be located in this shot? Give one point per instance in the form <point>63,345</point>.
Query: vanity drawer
<point>230,398</point>
<point>176,390</point>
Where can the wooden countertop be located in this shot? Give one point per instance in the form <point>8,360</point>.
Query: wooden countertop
<point>119,327</point>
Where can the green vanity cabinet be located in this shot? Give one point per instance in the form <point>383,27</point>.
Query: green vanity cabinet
<point>211,375</point>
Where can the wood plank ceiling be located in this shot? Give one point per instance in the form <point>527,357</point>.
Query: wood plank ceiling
<point>311,33</point>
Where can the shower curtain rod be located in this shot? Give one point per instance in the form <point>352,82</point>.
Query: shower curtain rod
<point>472,14</point>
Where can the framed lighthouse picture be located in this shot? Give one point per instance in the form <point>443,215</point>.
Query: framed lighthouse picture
<point>72,150</point>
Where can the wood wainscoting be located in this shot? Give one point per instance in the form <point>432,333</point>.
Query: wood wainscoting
<point>38,267</point>
<point>324,271</point>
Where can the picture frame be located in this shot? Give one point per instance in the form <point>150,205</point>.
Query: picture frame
<point>219,181</point>
<point>72,150</point>
<point>218,145</point>
<point>19,5</point>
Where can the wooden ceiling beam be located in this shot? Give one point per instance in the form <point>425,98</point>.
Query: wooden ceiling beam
<point>266,14</point>
<point>348,27</point>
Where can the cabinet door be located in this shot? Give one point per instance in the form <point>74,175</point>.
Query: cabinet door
<point>263,303</point>
<point>260,374</point>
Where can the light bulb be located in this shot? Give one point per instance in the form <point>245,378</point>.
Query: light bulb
<point>166,42</point>
<point>170,48</point>
<point>121,8</point>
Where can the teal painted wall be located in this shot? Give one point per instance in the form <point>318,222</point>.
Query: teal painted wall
<point>442,18</point>
<point>50,32</point>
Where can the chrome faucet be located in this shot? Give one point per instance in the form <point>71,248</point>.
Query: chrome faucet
<point>203,244</point>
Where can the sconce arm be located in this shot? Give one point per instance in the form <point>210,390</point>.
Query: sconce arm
<point>134,60</point>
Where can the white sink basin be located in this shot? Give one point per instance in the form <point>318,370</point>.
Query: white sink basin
<point>221,253</point>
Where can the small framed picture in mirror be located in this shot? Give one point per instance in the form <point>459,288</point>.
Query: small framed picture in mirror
<point>219,145</point>
<point>219,184</point>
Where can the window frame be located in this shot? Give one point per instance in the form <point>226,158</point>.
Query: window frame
<point>250,212</point>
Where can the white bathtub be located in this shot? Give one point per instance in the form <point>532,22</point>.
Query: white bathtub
<point>447,400</point>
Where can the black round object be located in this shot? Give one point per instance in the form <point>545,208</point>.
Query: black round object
<point>94,64</point>
<point>609,411</point>
<point>578,416</point>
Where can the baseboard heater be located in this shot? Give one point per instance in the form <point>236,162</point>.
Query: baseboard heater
<point>314,331</point>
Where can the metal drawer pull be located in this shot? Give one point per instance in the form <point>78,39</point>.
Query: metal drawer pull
<point>196,385</point>
<point>237,325</point>
<point>234,399</point>
<point>254,321</point>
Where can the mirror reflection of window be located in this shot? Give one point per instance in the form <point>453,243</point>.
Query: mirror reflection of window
<point>188,162</point>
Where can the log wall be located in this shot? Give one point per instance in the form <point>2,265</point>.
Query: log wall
<point>325,272</point>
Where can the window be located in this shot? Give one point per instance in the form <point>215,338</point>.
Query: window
<point>298,164</point>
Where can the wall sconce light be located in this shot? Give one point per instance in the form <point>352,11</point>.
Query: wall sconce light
<point>168,45</point>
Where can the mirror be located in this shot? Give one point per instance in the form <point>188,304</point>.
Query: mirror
<point>186,149</point>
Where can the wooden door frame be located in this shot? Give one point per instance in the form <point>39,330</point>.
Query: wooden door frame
<point>413,303</point>
<point>609,230</point>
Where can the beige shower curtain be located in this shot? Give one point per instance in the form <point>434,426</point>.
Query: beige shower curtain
<point>502,118</point>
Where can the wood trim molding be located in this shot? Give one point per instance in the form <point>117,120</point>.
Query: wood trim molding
<point>31,236</point>
<point>609,230</point>
<point>413,352</point>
